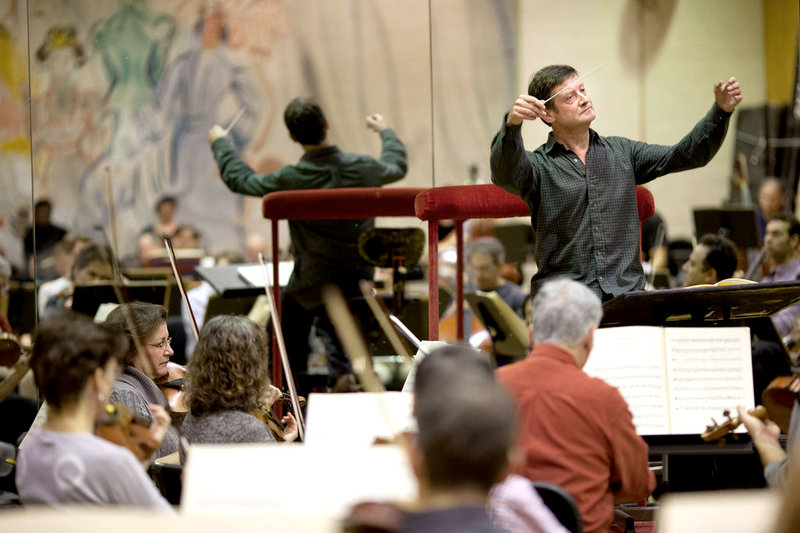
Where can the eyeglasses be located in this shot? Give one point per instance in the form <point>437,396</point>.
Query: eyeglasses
<point>163,344</point>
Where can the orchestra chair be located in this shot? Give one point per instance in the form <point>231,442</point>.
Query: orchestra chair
<point>463,202</point>
<point>329,204</point>
<point>561,504</point>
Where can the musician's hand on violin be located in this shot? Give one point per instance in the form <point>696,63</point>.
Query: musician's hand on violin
<point>765,437</point>
<point>216,132</point>
<point>271,395</point>
<point>290,428</point>
<point>161,422</point>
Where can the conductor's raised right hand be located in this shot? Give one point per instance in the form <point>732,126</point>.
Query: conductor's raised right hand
<point>216,132</point>
<point>526,107</point>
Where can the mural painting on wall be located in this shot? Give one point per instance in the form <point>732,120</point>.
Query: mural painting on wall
<point>124,92</point>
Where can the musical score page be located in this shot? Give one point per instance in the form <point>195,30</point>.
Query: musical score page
<point>709,370</point>
<point>631,358</point>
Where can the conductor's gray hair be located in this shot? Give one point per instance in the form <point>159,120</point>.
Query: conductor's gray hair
<point>563,312</point>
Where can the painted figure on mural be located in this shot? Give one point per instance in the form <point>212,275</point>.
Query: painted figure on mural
<point>208,84</point>
<point>70,131</point>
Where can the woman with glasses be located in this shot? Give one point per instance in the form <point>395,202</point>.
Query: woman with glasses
<point>149,351</point>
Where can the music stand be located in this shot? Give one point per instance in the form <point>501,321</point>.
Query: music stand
<point>510,336</point>
<point>86,299</point>
<point>739,224</point>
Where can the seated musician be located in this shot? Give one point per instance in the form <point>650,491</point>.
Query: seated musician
<point>486,259</point>
<point>92,264</point>
<point>75,362</point>
<point>228,384</point>
<point>465,445</point>
<point>773,457</point>
<point>144,362</point>
<point>712,260</point>
<point>566,414</point>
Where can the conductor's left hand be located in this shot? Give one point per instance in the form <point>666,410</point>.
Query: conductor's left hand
<point>728,94</point>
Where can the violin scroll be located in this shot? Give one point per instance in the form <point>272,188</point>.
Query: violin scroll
<point>120,426</point>
<point>715,431</point>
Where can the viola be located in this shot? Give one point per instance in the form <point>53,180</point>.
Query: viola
<point>10,349</point>
<point>173,387</point>
<point>120,426</point>
<point>267,416</point>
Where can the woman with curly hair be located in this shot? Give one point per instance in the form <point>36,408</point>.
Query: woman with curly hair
<point>228,380</point>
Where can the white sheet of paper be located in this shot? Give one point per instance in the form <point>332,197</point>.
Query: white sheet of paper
<point>290,479</point>
<point>721,511</point>
<point>356,419</point>
<point>254,274</point>
<point>631,359</point>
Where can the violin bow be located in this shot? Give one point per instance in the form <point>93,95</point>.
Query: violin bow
<point>382,316</point>
<point>287,369</point>
<point>174,263</point>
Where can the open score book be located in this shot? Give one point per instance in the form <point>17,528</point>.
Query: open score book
<point>675,379</point>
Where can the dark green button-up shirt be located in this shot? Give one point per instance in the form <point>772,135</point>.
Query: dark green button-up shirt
<point>325,251</point>
<point>584,217</point>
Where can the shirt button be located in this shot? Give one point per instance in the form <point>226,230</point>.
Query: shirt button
<point>600,278</point>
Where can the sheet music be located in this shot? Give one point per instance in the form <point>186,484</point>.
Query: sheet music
<point>631,359</point>
<point>254,275</point>
<point>709,370</point>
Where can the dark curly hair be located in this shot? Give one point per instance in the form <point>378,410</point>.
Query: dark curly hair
<point>229,368</point>
<point>67,349</point>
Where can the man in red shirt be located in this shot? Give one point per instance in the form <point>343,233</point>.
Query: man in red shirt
<point>576,430</point>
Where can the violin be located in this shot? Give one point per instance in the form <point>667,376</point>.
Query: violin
<point>120,426</point>
<point>173,387</point>
<point>10,349</point>
<point>778,401</point>
<point>716,431</point>
<point>267,416</point>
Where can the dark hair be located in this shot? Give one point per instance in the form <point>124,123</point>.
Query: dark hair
<point>465,419</point>
<point>42,202</point>
<point>165,200</point>
<point>140,319</point>
<point>229,368</point>
<point>794,225</point>
<point>548,78</point>
<point>67,349</point>
<point>89,254</point>
<point>305,120</point>
<point>721,255</point>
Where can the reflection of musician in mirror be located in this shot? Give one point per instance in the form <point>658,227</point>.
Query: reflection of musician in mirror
<point>144,362</point>
<point>75,362</point>
<point>325,251</point>
<point>486,258</point>
<point>92,264</point>
<point>228,381</point>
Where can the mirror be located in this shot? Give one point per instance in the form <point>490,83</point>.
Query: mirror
<point>123,93</point>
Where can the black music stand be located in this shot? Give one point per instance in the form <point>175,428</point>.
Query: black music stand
<point>748,304</point>
<point>739,224</point>
<point>87,298</point>
<point>227,282</point>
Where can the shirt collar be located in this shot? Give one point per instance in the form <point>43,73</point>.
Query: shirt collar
<point>552,144</point>
<point>320,152</point>
<point>553,351</point>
